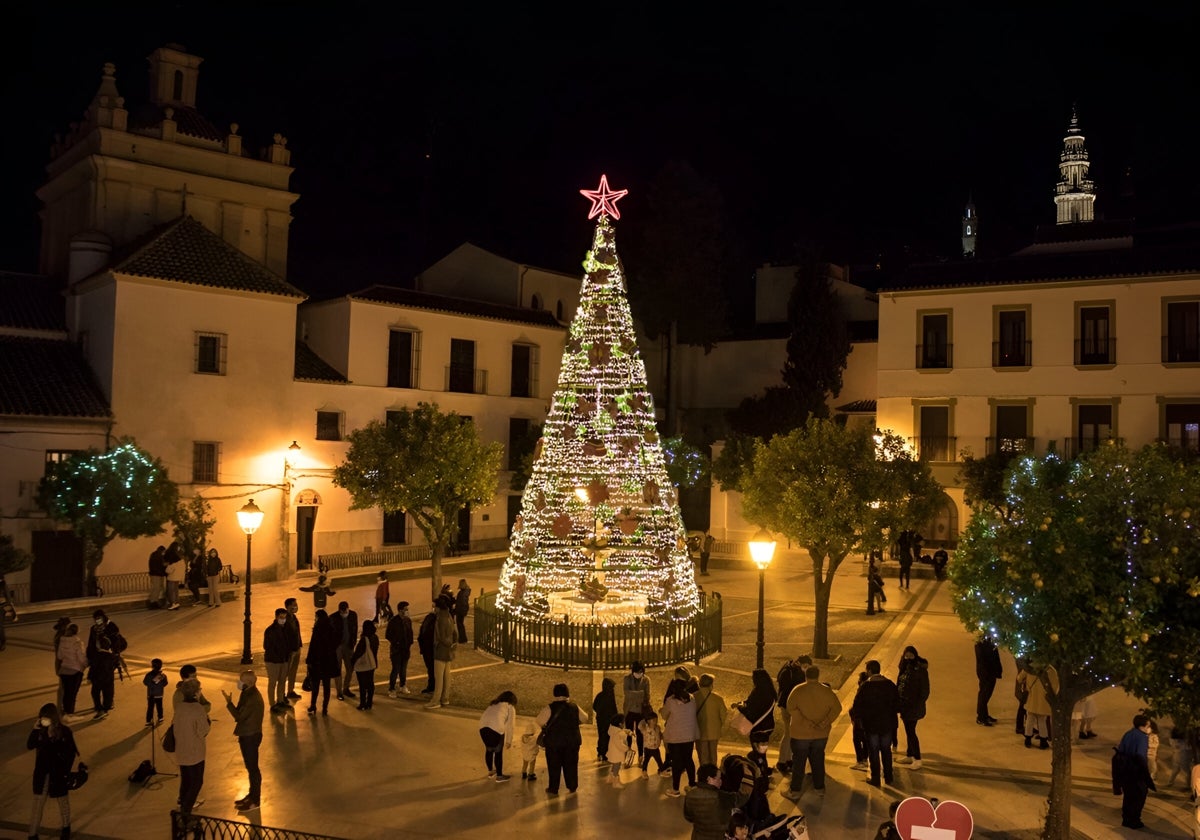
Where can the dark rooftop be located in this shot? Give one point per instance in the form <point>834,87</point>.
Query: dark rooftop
<point>31,302</point>
<point>43,377</point>
<point>312,367</point>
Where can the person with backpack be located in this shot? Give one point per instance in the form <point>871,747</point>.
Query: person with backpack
<point>104,648</point>
<point>425,644</point>
<point>790,676</point>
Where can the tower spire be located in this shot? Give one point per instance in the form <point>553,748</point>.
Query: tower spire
<point>1075,193</point>
<point>970,227</point>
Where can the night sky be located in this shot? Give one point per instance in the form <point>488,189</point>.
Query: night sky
<point>864,129</point>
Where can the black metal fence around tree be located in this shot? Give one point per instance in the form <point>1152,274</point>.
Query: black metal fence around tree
<point>198,827</point>
<point>596,647</point>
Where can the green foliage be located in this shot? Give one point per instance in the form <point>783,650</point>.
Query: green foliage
<point>12,559</point>
<point>192,525</point>
<point>687,466</point>
<point>731,467</point>
<point>982,480</point>
<point>521,456</point>
<point>104,495</point>
<point>833,490</point>
<point>423,462</point>
<point>819,342</point>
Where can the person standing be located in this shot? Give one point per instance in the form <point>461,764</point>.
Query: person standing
<point>790,676</point>
<point>462,606</point>
<point>1037,707</point>
<point>383,598</point>
<point>496,729</point>
<point>680,732</point>
<point>445,640</point>
<point>913,685</point>
<point>276,653</point>
<point>321,592</point>
<point>158,577</point>
<point>345,630</point>
<point>104,647</point>
<point>322,660</point>
<point>190,725</point>
<point>364,661</point>
<point>1131,772</point>
<point>196,575</point>
<point>296,640</point>
<point>988,670</point>
<point>759,709</point>
<point>175,566</point>
<point>813,707</point>
<point>72,659</point>
<point>212,569</point>
<point>56,751</point>
<point>636,700</point>
<point>875,708</point>
<point>248,721</point>
<point>1021,691</point>
<point>560,721</point>
<point>906,564</point>
<point>711,712</point>
<point>706,547</point>
<point>707,807</point>
<point>604,708</point>
<point>425,645</point>
<point>155,682</point>
<point>400,638</point>
<point>186,673</point>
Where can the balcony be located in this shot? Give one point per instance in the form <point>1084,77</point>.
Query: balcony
<point>1102,351</point>
<point>466,380</point>
<point>1180,349</point>
<point>1012,446</point>
<point>1187,445</point>
<point>1074,447</point>
<point>935,356</point>
<point>938,449</point>
<point>1012,353</point>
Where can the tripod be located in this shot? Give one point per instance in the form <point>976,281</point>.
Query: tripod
<point>154,757</point>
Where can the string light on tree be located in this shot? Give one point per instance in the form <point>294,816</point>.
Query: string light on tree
<point>600,536</point>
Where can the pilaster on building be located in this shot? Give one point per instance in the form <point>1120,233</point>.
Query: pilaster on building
<point>120,172</point>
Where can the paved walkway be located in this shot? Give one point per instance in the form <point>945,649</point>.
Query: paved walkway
<point>403,772</point>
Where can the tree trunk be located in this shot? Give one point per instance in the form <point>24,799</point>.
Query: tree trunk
<point>821,588</point>
<point>1058,817</point>
<point>437,550</point>
<point>93,555</point>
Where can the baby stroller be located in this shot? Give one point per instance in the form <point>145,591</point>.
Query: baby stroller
<point>741,775</point>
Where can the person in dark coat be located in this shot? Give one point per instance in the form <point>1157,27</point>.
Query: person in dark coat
<point>345,629</point>
<point>399,635</point>
<point>604,709</point>
<point>560,720</point>
<point>913,685</point>
<point>875,708</point>
<point>707,807</point>
<point>213,564</point>
<point>988,670</point>
<point>321,592</point>
<point>759,708</point>
<point>462,606</point>
<point>322,661</point>
<point>1131,772</point>
<point>56,751</point>
<point>196,576</point>
<point>158,578</point>
<point>103,654</point>
<point>425,645</point>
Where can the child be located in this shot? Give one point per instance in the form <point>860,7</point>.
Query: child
<point>887,829</point>
<point>651,741</point>
<point>758,754</point>
<point>618,742</point>
<point>739,827</point>
<point>154,681</point>
<point>1152,749</point>
<point>383,596</point>
<point>321,590</point>
<point>529,752</point>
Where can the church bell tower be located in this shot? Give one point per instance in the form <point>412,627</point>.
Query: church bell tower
<point>1075,194</point>
<point>970,229</point>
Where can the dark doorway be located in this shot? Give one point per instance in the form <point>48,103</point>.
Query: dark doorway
<point>306,521</point>
<point>57,570</point>
<point>462,542</point>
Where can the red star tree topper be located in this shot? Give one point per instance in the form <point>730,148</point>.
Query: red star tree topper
<point>604,200</point>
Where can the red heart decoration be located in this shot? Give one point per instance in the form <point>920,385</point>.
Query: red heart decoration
<point>917,819</point>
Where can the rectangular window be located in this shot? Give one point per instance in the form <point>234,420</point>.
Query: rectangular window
<point>935,443</point>
<point>1095,345</point>
<point>391,417</point>
<point>524,370</point>
<point>1093,427</point>
<point>55,457</point>
<point>395,527</point>
<point>934,351</point>
<point>1012,430</point>
<point>329,425</point>
<point>1182,340</point>
<point>1012,346</point>
<point>403,358</point>
<point>518,448</point>
<point>204,462</point>
<point>461,373</point>
<point>210,353</point>
<point>1183,426</point>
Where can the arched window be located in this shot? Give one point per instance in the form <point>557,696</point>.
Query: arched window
<point>177,92</point>
<point>536,302</point>
<point>941,531</point>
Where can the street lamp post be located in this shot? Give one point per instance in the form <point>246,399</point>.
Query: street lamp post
<point>762,549</point>
<point>250,516</point>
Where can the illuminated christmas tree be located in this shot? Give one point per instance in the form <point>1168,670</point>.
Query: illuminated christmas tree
<point>600,537</point>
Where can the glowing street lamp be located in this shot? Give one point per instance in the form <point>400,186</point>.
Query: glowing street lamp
<point>250,516</point>
<point>762,549</point>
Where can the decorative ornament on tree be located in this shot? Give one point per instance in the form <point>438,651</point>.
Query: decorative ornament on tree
<point>601,536</point>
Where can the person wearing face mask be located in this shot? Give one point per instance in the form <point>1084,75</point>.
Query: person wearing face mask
<point>276,653</point>
<point>636,700</point>
<point>295,642</point>
<point>248,721</point>
<point>400,638</point>
<point>56,751</point>
<point>103,649</point>
<point>345,631</point>
<point>190,725</point>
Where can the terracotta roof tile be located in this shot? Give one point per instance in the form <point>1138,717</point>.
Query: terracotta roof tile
<point>42,377</point>
<point>31,302</point>
<point>311,366</point>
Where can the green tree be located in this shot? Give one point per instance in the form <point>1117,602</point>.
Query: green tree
<point>1072,577</point>
<point>192,524</point>
<point>834,490</point>
<point>688,466</point>
<point>820,341</point>
<point>123,492</point>
<point>982,481</point>
<point>425,463</point>
<point>12,559</point>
